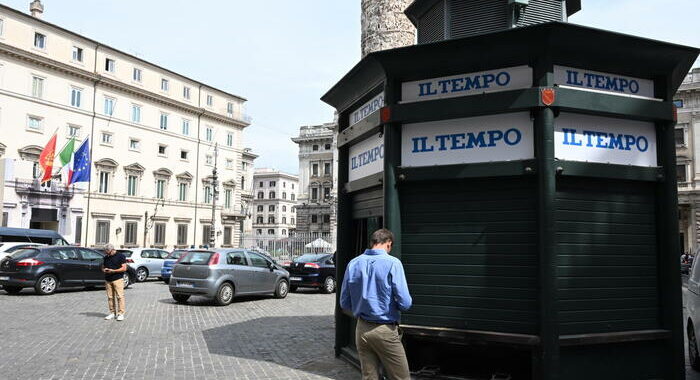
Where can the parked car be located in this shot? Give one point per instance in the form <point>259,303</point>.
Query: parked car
<point>169,263</point>
<point>693,323</point>
<point>31,235</point>
<point>312,270</point>
<point>223,274</point>
<point>7,248</point>
<point>147,262</point>
<point>51,267</point>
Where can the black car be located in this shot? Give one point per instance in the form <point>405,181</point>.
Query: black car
<point>48,268</point>
<point>312,270</point>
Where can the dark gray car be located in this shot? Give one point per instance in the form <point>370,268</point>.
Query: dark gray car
<point>221,274</point>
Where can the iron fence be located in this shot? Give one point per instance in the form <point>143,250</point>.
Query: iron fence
<point>287,248</point>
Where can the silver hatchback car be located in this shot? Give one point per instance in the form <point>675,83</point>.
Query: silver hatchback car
<point>221,274</point>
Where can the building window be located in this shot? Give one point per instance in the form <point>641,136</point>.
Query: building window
<point>271,208</point>
<point>273,195</point>
<point>315,148</point>
<point>314,193</point>
<point>39,40</point>
<point>229,109</point>
<point>261,208</point>
<point>37,87</point>
<point>134,144</point>
<point>75,96</point>
<point>159,238</point>
<point>207,194</point>
<point>77,54</point>
<point>135,113</point>
<point>229,139</point>
<point>328,146</point>
<point>258,231</point>
<point>681,173</point>
<point>164,121</point>
<point>326,218</point>
<point>162,150</point>
<point>284,220</point>
<point>284,232</point>
<point>261,195</point>
<point>132,185</point>
<point>181,234</point>
<point>206,234</point>
<point>183,155</point>
<point>229,163</point>
<point>182,196</point>
<point>185,127</point>
<point>314,218</point>
<point>260,220</point>
<point>102,232</point>
<point>284,184</point>
<point>326,193</point>
<point>160,189</point>
<point>34,123</point>
<point>270,231</point>
<point>106,138</point>
<point>110,65</point>
<point>284,195</point>
<point>210,100</point>
<point>292,197</point>
<point>227,235</point>
<point>680,136</point>
<point>292,186</point>
<point>209,134</point>
<point>109,106</point>
<point>73,131</point>
<point>261,184</point>
<point>78,229</point>
<point>5,215</point>
<point>314,170</point>
<point>104,182</point>
<point>186,92</point>
<point>327,168</point>
<point>130,233</point>
<point>227,198</point>
<point>209,160</point>
<point>2,26</point>
<point>273,183</point>
<point>284,208</point>
<point>164,85</point>
<point>244,166</point>
<point>291,221</point>
<point>137,75</point>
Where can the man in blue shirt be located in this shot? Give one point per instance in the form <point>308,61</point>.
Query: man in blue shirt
<point>375,290</point>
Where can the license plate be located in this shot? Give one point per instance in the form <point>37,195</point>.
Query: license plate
<point>4,278</point>
<point>295,279</point>
<point>185,284</point>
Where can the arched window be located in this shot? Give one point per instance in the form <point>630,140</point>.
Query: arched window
<point>261,195</point>
<point>261,220</point>
<point>260,208</point>
<point>284,220</point>
<point>284,195</point>
<point>284,208</point>
<point>272,195</point>
<point>271,220</point>
<point>284,232</point>
<point>293,197</point>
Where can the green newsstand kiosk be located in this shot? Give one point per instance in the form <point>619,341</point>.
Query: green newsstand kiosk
<point>529,176</point>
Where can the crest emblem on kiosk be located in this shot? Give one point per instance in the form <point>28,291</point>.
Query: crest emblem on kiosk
<point>548,96</point>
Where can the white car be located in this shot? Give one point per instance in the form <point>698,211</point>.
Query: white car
<point>147,262</point>
<point>693,308</point>
<point>8,248</point>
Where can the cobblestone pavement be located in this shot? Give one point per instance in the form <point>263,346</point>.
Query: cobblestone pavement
<point>64,336</point>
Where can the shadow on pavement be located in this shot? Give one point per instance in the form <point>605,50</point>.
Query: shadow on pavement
<point>92,314</point>
<point>304,343</point>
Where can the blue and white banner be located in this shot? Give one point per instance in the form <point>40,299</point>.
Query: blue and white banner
<point>605,82</point>
<point>604,140</point>
<point>367,109</point>
<point>502,137</point>
<point>510,78</point>
<point>366,158</point>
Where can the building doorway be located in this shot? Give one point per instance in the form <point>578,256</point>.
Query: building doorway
<point>44,219</point>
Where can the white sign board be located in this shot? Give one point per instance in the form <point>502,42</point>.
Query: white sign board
<point>501,137</point>
<point>367,109</point>
<point>604,140</point>
<point>366,158</point>
<point>511,78</point>
<point>606,82</point>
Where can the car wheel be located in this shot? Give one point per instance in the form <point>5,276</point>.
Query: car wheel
<point>224,295</point>
<point>282,289</point>
<point>293,288</point>
<point>693,354</point>
<point>13,289</point>
<point>181,298</point>
<point>328,285</point>
<point>46,284</point>
<point>141,274</point>
<point>127,279</point>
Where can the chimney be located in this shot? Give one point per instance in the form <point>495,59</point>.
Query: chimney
<point>36,8</point>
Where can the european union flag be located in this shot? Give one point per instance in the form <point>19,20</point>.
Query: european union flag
<point>81,163</point>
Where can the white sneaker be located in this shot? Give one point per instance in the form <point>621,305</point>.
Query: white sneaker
<point>110,317</point>
<point>120,317</point>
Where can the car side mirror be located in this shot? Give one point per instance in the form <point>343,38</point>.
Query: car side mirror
<point>271,265</point>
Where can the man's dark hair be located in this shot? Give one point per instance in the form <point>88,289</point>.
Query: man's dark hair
<point>380,237</point>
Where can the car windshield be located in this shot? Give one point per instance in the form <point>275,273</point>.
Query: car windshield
<point>196,258</point>
<point>24,253</point>
<point>176,254</point>
<point>309,258</point>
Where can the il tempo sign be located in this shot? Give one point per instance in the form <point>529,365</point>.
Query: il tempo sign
<point>604,140</point>
<point>366,158</point>
<point>502,137</point>
<point>605,82</point>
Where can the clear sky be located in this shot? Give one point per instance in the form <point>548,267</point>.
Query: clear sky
<point>282,55</point>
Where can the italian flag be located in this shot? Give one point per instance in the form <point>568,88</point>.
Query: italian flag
<point>66,160</point>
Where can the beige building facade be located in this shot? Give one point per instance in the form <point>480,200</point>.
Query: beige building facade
<point>274,205</point>
<point>152,132</point>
